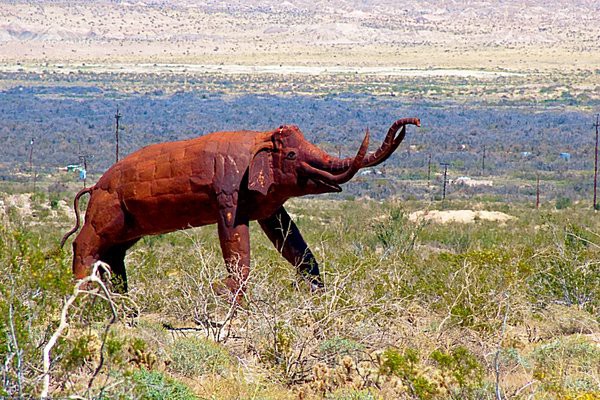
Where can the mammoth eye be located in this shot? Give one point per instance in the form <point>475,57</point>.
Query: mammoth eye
<point>291,155</point>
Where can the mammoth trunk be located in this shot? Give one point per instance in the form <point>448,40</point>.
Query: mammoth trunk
<point>322,174</point>
<point>389,145</point>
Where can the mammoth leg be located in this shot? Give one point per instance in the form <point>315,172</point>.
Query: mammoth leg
<point>234,235</point>
<point>115,258</point>
<point>286,237</point>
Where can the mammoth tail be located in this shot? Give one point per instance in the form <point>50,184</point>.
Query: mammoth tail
<point>76,207</point>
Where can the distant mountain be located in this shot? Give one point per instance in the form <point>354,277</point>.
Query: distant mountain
<point>91,28</point>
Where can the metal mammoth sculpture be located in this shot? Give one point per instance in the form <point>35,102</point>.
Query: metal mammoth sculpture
<point>227,178</point>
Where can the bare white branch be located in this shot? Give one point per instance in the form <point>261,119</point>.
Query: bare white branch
<point>94,277</point>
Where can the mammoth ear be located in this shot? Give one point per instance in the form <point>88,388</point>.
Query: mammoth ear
<point>260,173</point>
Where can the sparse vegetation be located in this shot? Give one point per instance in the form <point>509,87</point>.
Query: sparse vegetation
<point>194,356</point>
<point>420,313</point>
<point>154,385</point>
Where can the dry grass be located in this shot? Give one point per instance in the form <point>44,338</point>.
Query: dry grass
<point>517,301</point>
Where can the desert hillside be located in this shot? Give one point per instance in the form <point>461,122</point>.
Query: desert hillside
<point>486,34</point>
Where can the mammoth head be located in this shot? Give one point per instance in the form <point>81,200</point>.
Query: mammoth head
<point>285,158</point>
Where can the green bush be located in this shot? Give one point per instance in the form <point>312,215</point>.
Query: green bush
<point>154,385</point>
<point>406,367</point>
<point>351,394</point>
<point>334,349</point>
<point>80,351</point>
<point>33,284</point>
<point>554,366</point>
<point>195,356</point>
<point>339,346</point>
<point>568,274</point>
<point>462,365</point>
<point>395,234</point>
<point>563,202</point>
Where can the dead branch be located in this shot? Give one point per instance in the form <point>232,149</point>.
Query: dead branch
<point>77,290</point>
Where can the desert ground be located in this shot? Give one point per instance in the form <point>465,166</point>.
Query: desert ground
<point>526,35</point>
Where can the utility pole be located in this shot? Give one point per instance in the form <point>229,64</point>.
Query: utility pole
<point>83,161</point>
<point>428,169</point>
<point>483,161</point>
<point>445,165</point>
<point>596,163</point>
<point>537,191</point>
<point>31,171</point>
<point>117,117</point>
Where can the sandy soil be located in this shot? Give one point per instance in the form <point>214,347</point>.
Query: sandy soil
<point>22,204</point>
<point>257,70</point>
<point>460,216</point>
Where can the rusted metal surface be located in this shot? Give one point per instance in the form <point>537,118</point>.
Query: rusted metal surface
<point>227,178</point>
